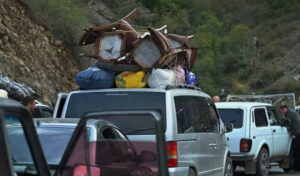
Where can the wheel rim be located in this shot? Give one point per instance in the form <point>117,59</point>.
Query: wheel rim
<point>265,164</point>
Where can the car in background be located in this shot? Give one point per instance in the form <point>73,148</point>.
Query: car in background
<point>259,136</point>
<point>298,110</point>
<point>53,135</point>
<point>195,135</point>
<point>60,103</point>
<point>96,146</point>
<point>106,143</point>
<point>42,111</point>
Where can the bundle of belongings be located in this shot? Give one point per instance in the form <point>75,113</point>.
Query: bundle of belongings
<point>130,59</point>
<point>15,90</point>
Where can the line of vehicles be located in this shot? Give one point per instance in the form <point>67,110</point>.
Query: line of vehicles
<point>174,131</point>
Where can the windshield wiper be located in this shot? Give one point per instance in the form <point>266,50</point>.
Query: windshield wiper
<point>139,130</point>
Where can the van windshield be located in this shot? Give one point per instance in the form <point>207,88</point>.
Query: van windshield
<point>82,103</point>
<point>234,116</point>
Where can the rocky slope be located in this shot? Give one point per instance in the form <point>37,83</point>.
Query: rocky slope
<point>29,55</point>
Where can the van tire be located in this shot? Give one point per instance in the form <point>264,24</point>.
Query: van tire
<point>191,172</point>
<point>228,170</point>
<point>263,163</point>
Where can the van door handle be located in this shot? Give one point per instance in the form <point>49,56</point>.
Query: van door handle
<point>212,145</point>
<point>274,131</point>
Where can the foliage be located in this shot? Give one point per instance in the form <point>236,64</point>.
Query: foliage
<point>224,34</point>
<point>65,18</point>
<point>223,31</point>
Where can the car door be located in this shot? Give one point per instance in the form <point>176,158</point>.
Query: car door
<point>192,142</point>
<point>21,151</point>
<point>218,145</point>
<point>6,166</point>
<point>281,137</point>
<point>207,143</point>
<point>14,115</point>
<point>77,159</point>
<point>260,129</point>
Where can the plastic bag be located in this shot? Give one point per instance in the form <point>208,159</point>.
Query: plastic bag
<point>160,78</point>
<point>95,78</point>
<point>179,74</point>
<point>190,78</point>
<point>131,80</point>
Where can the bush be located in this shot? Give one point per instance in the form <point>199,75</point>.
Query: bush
<point>284,85</point>
<point>65,18</point>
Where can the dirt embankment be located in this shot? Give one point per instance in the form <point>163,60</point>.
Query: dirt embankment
<point>29,55</point>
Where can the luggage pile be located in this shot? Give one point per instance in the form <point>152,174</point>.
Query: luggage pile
<point>130,59</point>
<point>16,90</point>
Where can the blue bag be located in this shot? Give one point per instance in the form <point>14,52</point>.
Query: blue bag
<point>95,78</point>
<point>190,78</point>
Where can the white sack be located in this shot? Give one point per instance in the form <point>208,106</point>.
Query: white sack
<point>160,78</point>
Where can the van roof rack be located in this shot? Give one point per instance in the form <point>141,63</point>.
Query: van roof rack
<point>182,86</point>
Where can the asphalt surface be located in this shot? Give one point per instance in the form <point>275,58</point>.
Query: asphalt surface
<point>274,171</point>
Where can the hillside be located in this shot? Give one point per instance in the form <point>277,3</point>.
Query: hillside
<point>29,55</point>
<point>224,33</point>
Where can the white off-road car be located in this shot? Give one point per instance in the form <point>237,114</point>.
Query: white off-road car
<point>258,138</point>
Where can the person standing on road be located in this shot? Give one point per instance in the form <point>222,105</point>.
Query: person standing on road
<point>29,102</point>
<point>294,127</point>
<point>291,115</point>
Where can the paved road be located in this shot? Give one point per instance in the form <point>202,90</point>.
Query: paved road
<point>274,171</point>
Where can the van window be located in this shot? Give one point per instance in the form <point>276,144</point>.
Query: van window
<point>234,116</point>
<point>192,114</point>
<point>184,111</point>
<point>214,120</point>
<point>61,106</point>
<point>18,143</point>
<point>260,117</point>
<point>202,115</point>
<point>81,103</point>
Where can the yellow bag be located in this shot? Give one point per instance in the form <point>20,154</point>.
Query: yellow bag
<point>131,80</point>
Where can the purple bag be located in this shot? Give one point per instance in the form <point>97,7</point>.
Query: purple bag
<point>190,78</point>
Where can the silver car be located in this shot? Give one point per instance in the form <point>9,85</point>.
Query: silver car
<point>195,135</point>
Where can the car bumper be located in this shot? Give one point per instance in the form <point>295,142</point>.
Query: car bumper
<point>178,171</point>
<point>242,157</point>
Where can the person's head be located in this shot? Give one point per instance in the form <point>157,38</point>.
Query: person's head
<point>216,99</point>
<point>29,102</point>
<point>283,109</point>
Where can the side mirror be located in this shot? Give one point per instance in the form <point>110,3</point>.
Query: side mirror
<point>285,122</point>
<point>147,156</point>
<point>228,127</point>
<point>271,122</point>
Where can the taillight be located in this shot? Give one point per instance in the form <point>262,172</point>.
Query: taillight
<point>245,145</point>
<point>81,170</point>
<point>172,154</point>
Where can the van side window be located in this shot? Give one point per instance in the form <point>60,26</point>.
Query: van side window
<point>214,120</point>
<point>201,118</point>
<point>184,111</point>
<point>193,115</point>
<point>260,117</point>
